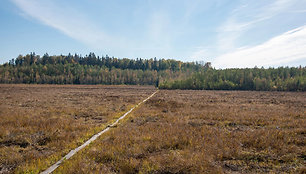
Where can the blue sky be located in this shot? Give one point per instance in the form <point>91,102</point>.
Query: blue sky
<point>229,33</point>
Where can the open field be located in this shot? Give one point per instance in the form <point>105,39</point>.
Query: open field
<point>41,123</point>
<point>203,132</point>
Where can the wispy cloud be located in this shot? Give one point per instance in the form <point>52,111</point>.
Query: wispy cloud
<point>164,28</point>
<point>170,28</point>
<point>66,20</point>
<point>243,18</point>
<point>200,54</point>
<point>159,30</point>
<point>281,50</point>
<point>298,11</point>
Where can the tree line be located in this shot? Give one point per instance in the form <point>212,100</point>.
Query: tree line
<point>106,62</point>
<point>92,69</point>
<point>260,79</point>
<point>163,73</point>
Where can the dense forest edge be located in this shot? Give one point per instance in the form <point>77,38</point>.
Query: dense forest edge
<point>163,73</point>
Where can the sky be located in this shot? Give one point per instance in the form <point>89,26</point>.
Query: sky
<point>227,33</point>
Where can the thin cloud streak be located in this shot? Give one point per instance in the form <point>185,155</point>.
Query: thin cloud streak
<point>200,54</point>
<point>157,33</point>
<point>235,25</point>
<point>65,20</point>
<point>278,51</point>
<point>159,30</point>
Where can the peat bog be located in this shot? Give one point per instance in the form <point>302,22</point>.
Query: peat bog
<point>186,131</point>
<point>177,131</point>
<point>41,123</point>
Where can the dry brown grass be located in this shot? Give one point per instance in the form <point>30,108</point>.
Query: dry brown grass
<point>203,132</point>
<point>40,123</point>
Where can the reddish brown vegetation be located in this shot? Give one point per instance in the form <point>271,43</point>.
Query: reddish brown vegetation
<point>40,123</point>
<point>203,132</point>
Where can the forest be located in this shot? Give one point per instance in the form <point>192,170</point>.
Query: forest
<point>259,79</point>
<point>163,73</point>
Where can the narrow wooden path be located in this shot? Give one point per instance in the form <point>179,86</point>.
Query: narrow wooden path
<point>93,138</point>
